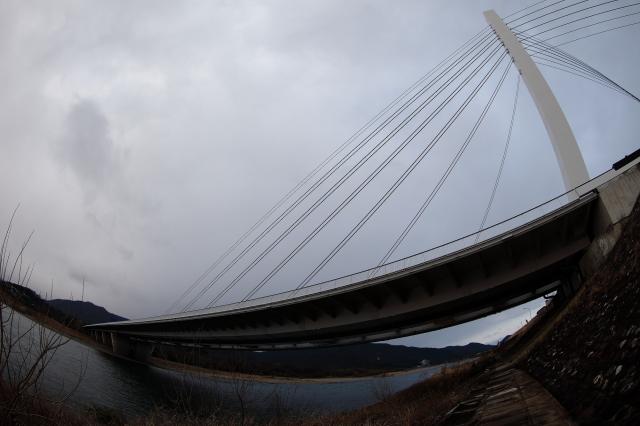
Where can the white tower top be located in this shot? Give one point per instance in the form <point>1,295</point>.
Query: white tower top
<point>572,166</point>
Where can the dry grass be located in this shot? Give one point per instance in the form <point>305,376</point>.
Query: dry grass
<point>424,403</point>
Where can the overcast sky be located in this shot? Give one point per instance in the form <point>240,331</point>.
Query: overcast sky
<point>142,138</point>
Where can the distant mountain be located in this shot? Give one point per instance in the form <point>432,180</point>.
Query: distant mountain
<point>381,356</point>
<point>358,359</point>
<point>86,312</point>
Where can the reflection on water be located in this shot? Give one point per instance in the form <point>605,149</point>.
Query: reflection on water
<point>133,389</point>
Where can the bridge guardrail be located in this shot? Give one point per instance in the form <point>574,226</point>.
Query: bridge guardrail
<point>502,229</point>
<point>465,242</point>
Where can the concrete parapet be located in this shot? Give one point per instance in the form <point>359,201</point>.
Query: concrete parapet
<point>615,203</point>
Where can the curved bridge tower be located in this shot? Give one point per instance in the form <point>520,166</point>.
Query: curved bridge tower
<point>572,166</point>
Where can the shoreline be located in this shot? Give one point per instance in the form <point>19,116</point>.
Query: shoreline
<point>221,374</point>
<point>70,333</point>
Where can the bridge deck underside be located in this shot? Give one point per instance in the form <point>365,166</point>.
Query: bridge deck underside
<point>507,272</point>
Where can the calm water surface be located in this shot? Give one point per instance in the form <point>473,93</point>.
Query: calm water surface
<point>134,389</point>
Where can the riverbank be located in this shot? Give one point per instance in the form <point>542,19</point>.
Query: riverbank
<point>116,392</point>
<point>184,406</point>
<point>584,352</point>
<point>226,375</point>
<point>40,317</point>
<point>590,359</point>
<point>425,403</point>
<point>86,340</point>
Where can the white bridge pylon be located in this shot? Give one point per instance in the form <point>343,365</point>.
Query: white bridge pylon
<point>574,171</point>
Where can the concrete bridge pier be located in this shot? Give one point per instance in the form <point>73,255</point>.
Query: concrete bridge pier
<point>105,338</point>
<point>124,346</point>
<point>571,283</point>
<point>615,203</point>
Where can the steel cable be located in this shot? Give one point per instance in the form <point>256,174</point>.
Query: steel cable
<point>315,171</point>
<point>350,173</point>
<point>444,177</point>
<point>370,177</point>
<point>502,161</point>
<point>582,18</point>
<point>403,177</point>
<point>327,174</point>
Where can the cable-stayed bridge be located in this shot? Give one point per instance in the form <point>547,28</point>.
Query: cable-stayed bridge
<point>547,247</point>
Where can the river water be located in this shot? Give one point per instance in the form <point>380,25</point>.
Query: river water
<point>132,389</point>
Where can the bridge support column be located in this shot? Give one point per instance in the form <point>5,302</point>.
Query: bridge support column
<point>124,346</point>
<point>105,338</point>
<point>570,285</point>
<point>142,351</point>
<point>574,171</point>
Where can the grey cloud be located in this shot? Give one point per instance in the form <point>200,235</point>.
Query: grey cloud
<point>177,126</point>
<point>86,147</point>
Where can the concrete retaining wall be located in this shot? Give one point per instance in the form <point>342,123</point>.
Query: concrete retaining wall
<point>615,203</point>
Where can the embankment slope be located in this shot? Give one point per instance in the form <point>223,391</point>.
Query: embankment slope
<point>590,361</point>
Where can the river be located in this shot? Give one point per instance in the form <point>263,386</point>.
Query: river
<point>133,389</point>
